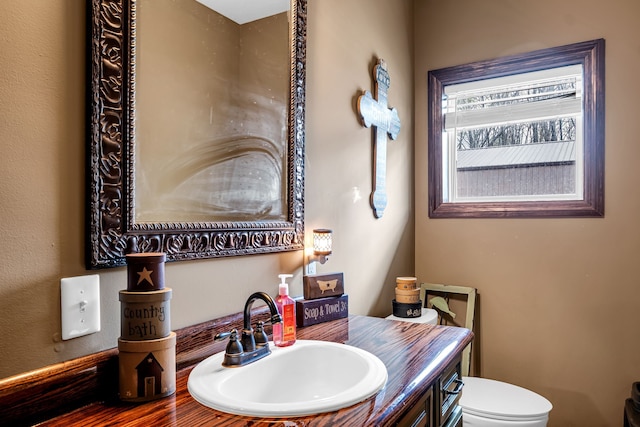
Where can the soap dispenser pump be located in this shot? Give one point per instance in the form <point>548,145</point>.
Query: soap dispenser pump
<point>284,333</point>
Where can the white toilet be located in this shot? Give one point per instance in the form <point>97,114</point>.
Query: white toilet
<point>490,403</point>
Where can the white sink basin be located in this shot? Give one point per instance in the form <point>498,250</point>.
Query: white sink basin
<point>307,378</point>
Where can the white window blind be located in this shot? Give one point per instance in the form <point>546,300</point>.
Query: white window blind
<point>527,97</point>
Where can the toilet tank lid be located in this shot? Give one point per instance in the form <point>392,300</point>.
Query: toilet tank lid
<point>501,400</point>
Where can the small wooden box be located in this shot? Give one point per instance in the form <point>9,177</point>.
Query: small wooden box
<point>407,310</point>
<point>310,312</point>
<point>323,285</point>
<point>406,283</point>
<point>147,369</point>
<point>410,296</point>
<point>145,271</point>
<point>145,315</point>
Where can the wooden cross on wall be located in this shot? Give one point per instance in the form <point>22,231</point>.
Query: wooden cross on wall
<point>386,121</point>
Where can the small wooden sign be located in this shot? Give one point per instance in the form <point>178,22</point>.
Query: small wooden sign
<point>323,285</point>
<point>310,312</point>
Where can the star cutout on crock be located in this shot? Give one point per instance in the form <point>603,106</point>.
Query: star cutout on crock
<point>145,275</point>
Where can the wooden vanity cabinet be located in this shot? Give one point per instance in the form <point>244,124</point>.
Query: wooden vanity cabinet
<point>438,407</point>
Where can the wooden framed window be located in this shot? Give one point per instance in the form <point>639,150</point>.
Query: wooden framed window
<point>519,136</point>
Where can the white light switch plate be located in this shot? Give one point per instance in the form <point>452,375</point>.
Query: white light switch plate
<point>80,305</point>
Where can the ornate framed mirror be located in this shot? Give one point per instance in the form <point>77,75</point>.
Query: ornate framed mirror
<point>174,173</point>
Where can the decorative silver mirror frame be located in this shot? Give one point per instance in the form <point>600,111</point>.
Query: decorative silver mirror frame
<point>111,229</point>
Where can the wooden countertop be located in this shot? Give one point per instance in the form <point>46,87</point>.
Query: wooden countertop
<point>414,355</point>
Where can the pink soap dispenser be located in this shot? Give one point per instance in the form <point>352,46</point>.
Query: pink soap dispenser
<point>284,333</point>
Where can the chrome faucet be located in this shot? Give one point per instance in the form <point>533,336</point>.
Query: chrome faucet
<point>253,345</point>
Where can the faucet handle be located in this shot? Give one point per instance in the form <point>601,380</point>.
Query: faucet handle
<point>234,346</point>
<point>221,336</point>
<point>260,336</point>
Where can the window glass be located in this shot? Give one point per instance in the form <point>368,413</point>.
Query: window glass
<point>515,138</point>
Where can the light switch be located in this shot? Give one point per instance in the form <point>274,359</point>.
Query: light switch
<point>80,305</point>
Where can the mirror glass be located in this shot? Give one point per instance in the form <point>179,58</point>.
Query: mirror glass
<point>213,146</point>
<point>196,128</point>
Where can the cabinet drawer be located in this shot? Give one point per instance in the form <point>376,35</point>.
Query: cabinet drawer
<point>450,388</point>
<point>455,419</point>
<point>421,415</point>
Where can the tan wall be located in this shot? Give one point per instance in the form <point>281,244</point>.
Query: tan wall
<point>42,131</point>
<point>559,298</point>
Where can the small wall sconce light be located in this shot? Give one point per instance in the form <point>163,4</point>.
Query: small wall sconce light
<point>321,248</point>
<point>322,243</point>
